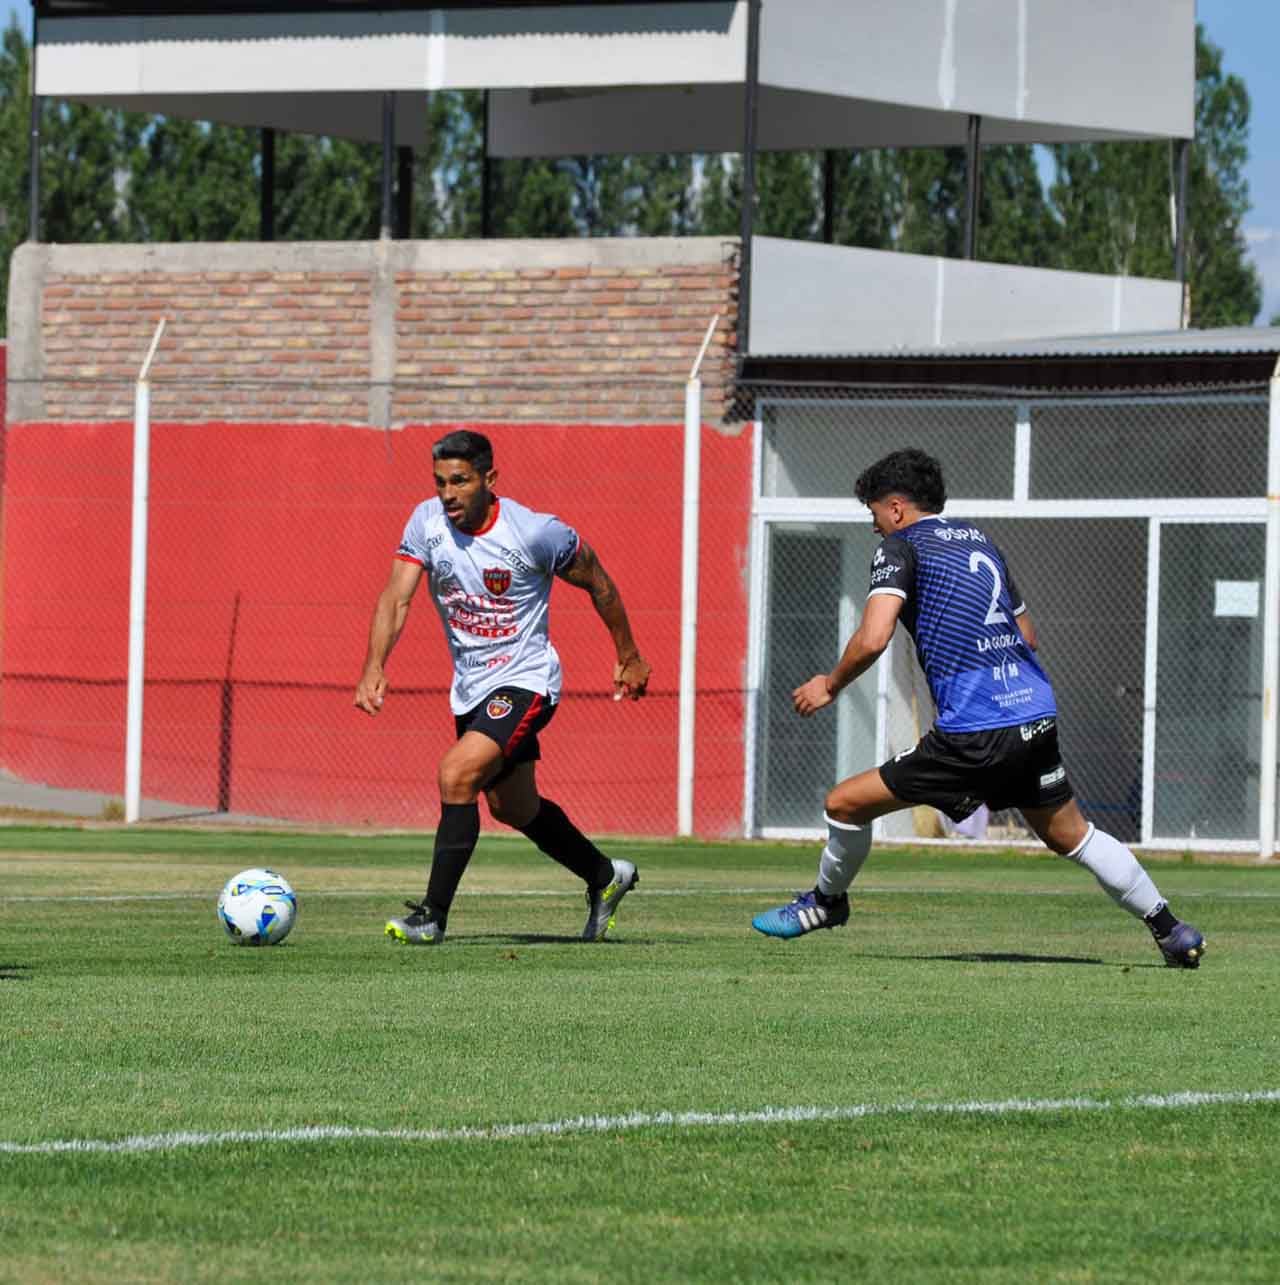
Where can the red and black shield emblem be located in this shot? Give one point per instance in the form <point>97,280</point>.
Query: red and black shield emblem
<point>497,580</point>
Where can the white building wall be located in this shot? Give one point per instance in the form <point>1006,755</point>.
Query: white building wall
<point>833,73</point>
<point>1126,67</point>
<point>821,299</point>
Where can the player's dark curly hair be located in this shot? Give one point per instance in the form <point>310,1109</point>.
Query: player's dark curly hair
<point>463,444</point>
<point>908,472</point>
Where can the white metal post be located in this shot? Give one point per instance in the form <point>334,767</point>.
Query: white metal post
<point>1150,679</point>
<point>884,672</point>
<point>1270,633</point>
<point>692,508</point>
<point>138,586</point>
<point>689,605</point>
<point>757,606</point>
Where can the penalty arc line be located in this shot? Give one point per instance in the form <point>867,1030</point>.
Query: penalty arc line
<point>672,1120</point>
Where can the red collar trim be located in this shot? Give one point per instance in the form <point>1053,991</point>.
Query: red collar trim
<point>493,517</point>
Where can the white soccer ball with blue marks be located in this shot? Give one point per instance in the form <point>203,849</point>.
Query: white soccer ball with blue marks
<point>257,908</point>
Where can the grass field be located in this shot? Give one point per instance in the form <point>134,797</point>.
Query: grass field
<point>988,1076</point>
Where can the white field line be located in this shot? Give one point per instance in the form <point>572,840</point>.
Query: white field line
<point>589,1124</point>
<point>778,890</point>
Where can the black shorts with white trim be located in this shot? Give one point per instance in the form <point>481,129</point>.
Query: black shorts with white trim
<point>1003,767</point>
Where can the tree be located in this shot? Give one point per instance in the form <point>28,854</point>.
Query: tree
<point>1015,223</point>
<point>663,201</point>
<point>15,177</point>
<point>190,181</point>
<point>867,204</point>
<point>1112,203</point>
<point>449,170</point>
<point>327,189</point>
<point>85,152</point>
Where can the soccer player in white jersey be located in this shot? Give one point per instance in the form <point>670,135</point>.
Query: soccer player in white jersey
<point>995,740</point>
<point>490,563</point>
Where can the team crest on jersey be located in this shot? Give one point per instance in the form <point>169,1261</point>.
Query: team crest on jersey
<point>497,580</point>
<point>498,706</point>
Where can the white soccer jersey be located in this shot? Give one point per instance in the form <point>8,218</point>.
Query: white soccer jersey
<point>492,588</point>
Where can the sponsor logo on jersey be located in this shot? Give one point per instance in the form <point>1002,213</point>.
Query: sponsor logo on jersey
<point>498,706</point>
<point>497,580</point>
<point>485,662</point>
<point>517,560</point>
<point>960,533</point>
<point>879,558</point>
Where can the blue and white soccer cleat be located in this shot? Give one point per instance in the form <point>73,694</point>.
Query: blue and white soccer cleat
<point>1182,948</point>
<point>803,915</point>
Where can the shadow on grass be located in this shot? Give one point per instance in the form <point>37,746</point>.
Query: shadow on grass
<point>541,939</point>
<point>15,972</point>
<point>1008,957</point>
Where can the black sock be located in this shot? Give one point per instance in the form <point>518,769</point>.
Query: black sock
<point>562,841</point>
<point>1161,921</point>
<point>455,842</point>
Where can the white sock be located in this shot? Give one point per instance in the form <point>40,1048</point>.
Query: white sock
<point>1118,871</point>
<point>842,858</point>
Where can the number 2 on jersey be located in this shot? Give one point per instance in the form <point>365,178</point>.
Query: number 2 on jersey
<point>994,616</point>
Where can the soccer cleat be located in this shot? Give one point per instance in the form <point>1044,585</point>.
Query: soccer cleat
<point>602,903</point>
<point>417,928</point>
<point>1182,948</point>
<point>803,915</point>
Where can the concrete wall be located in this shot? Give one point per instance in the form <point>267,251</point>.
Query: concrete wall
<point>1067,62</point>
<point>817,299</point>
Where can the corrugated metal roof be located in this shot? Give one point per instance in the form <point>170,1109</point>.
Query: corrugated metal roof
<point>1154,343</point>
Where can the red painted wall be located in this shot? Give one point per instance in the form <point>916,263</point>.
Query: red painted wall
<point>268,545</point>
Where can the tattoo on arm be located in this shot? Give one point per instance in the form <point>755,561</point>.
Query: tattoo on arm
<point>586,573</point>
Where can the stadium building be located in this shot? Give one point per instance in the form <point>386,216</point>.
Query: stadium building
<point>697,407</point>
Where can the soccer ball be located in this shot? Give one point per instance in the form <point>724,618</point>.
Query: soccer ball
<point>257,908</point>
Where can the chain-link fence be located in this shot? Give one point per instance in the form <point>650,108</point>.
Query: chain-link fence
<point>1135,527</point>
<point>269,541</point>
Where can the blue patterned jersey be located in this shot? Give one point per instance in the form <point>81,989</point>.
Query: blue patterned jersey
<point>959,604</point>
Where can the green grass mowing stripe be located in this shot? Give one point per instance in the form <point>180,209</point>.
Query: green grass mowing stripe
<point>941,1200</point>
<point>139,1018</point>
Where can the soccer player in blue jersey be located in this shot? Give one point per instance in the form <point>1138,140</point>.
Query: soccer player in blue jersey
<point>996,736</point>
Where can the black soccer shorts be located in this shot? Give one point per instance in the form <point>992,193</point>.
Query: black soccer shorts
<point>1005,767</point>
<point>513,717</point>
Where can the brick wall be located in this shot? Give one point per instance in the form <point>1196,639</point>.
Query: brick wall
<point>301,338</point>
<point>574,342</point>
<point>373,333</point>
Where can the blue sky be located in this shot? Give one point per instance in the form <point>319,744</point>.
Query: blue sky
<point>1248,33</point>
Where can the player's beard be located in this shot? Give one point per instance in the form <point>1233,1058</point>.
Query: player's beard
<point>471,517</point>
